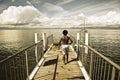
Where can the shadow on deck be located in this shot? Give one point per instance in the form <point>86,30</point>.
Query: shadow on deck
<point>69,71</point>
<point>50,62</point>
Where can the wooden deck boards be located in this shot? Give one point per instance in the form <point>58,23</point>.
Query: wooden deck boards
<point>69,71</point>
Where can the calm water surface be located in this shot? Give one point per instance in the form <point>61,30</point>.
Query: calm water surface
<point>104,41</point>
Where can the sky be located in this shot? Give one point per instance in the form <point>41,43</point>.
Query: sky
<point>99,10</point>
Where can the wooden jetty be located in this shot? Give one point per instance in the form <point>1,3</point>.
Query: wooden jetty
<point>33,63</point>
<point>53,67</point>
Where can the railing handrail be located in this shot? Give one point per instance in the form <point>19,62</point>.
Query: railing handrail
<point>9,57</point>
<point>102,56</point>
<point>48,41</point>
<point>50,35</point>
<point>21,61</point>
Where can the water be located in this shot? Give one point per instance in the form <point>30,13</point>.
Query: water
<point>106,42</point>
<point>12,41</point>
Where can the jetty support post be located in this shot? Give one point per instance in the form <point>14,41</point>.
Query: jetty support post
<point>44,41</point>
<point>86,41</point>
<point>84,48</point>
<point>36,40</point>
<point>78,47</point>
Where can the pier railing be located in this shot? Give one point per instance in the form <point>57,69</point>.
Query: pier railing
<point>98,66</point>
<point>20,65</point>
<point>49,40</point>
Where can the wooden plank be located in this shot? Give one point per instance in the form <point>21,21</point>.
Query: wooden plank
<point>46,71</point>
<point>69,71</point>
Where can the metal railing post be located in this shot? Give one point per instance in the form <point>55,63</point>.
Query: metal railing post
<point>95,68</point>
<point>104,71</point>
<point>98,73</point>
<point>6,72</point>
<point>82,53</point>
<point>108,72</point>
<point>78,47</point>
<point>14,69</point>
<point>101,70</point>
<point>9,64</point>
<point>119,75</point>
<point>91,64</point>
<point>113,73</point>
<point>26,61</point>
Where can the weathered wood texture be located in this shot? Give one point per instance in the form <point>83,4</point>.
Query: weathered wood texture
<point>69,71</point>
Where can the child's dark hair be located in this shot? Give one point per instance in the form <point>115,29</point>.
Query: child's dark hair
<point>65,32</point>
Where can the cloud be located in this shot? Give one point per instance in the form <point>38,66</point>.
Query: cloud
<point>29,14</point>
<point>33,2</point>
<point>90,8</point>
<point>65,2</point>
<point>68,21</point>
<point>12,0</point>
<point>19,15</point>
<point>52,7</point>
<point>111,17</point>
<point>28,2</point>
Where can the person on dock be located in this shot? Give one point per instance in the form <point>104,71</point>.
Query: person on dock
<point>65,41</point>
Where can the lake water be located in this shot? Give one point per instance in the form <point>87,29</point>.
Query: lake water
<point>106,41</point>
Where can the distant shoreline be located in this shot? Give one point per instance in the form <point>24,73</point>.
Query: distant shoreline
<point>39,26</point>
<point>7,28</point>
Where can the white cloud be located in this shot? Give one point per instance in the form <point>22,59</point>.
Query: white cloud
<point>29,14</point>
<point>65,2</point>
<point>28,2</point>
<point>53,7</point>
<point>111,17</point>
<point>68,21</point>
<point>89,9</point>
<point>33,2</point>
<point>19,15</point>
<point>12,0</point>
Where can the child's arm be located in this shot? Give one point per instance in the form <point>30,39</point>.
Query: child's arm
<point>71,41</point>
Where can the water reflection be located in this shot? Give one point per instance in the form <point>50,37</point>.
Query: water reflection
<point>9,35</point>
<point>104,41</point>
